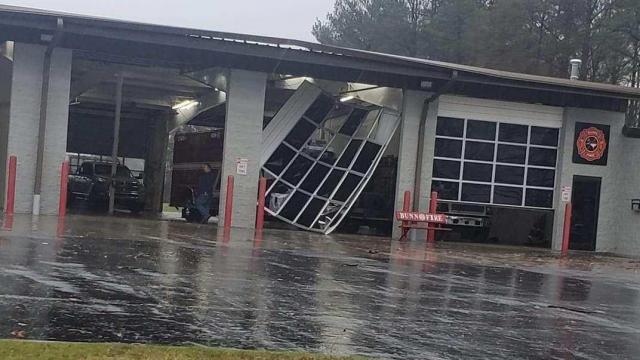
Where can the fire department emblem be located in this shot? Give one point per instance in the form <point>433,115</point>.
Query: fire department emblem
<point>592,144</point>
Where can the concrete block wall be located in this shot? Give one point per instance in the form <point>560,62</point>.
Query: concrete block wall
<point>243,139</point>
<point>626,221</point>
<point>607,238</point>
<point>412,112</point>
<point>24,117</point>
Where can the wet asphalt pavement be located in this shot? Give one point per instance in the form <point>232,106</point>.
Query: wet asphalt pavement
<point>134,280</point>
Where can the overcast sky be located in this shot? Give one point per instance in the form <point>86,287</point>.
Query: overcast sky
<point>282,18</point>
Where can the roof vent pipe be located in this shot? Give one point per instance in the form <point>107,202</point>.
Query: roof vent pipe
<point>575,68</point>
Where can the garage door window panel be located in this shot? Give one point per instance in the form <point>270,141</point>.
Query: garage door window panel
<point>507,195</point>
<point>480,151</point>
<point>476,193</point>
<point>542,157</point>
<point>544,136</point>
<point>448,148</point>
<point>541,177</point>
<point>450,127</point>
<point>509,175</point>
<point>481,130</point>
<point>446,190</point>
<point>446,169</point>
<point>539,198</point>
<point>511,154</point>
<point>477,172</point>
<point>513,133</point>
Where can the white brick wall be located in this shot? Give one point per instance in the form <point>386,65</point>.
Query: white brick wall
<point>243,139</point>
<point>24,118</point>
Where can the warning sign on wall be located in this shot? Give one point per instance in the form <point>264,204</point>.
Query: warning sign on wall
<point>242,166</point>
<point>566,193</point>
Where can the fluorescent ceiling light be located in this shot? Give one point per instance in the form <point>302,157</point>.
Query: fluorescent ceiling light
<point>347,98</point>
<point>185,104</point>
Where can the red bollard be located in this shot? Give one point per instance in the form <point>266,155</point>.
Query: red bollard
<point>262,190</point>
<point>566,233</point>
<point>228,205</point>
<point>64,183</point>
<point>11,185</point>
<point>433,208</point>
<point>406,206</point>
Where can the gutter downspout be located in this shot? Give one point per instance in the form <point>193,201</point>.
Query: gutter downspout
<point>423,124</point>
<point>44,102</point>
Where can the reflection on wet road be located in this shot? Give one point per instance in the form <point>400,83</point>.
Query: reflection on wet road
<point>167,282</point>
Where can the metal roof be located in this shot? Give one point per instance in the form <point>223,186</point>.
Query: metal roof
<point>33,19</point>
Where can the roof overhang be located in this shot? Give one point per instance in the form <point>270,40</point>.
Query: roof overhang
<point>188,49</point>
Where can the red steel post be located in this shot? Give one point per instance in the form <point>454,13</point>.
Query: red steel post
<point>566,233</point>
<point>64,182</point>
<point>406,205</point>
<point>262,189</point>
<point>433,208</point>
<point>11,185</point>
<point>228,206</point>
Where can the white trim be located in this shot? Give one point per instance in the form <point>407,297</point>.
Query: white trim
<point>500,111</point>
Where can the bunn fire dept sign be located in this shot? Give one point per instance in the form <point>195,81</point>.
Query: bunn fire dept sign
<point>421,217</point>
<point>591,144</point>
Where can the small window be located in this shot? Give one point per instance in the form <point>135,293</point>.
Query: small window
<point>353,122</point>
<point>542,157</point>
<point>448,148</point>
<point>331,182</point>
<point>315,177</point>
<point>539,198</point>
<point>450,127</point>
<point>295,205</point>
<point>476,193</point>
<point>349,153</point>
<point>509,175</point>
<point>367,156</point>
<point>506,195</point>
<point>446,169</point>
<point>300,134</point>
<point>297,170</point>
<point>482,130</point>
<point>348,187</point>
<point>514,133</point>
<point>477,172</point>
<point>319,109</point>
<point>512,154</point>
<point>280,159</point>
<point>311,212</point>
<point>479,151</point>
<point>541,177</point>
<point>446,190</point>
<point>544,136</point>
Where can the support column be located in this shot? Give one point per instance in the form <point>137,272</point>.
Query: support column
<point>5,96</point>
<point>412,113</point>
<point>154,165</point>
<point>243,140</point>
<point>24,119</point>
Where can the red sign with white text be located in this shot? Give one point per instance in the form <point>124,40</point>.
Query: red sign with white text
<point>421,217</point>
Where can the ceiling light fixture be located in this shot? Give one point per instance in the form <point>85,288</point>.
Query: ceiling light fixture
<point>185,104</point>
<point>347,98</point>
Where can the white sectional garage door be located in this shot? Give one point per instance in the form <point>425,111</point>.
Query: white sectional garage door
<point>492,152</point>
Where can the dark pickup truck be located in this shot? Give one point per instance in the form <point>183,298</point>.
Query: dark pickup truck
<point>92,181</point>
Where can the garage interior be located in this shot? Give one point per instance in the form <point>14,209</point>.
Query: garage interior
<point>162,106</point>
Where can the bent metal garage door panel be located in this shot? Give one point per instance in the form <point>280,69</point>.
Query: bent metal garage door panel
<point>325,161</point>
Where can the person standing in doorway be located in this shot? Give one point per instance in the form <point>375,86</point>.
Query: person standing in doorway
<point>204,192</point>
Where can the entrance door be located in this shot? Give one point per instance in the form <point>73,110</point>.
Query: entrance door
<point>586,202</point>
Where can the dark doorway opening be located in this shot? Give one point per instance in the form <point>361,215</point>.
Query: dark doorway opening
<point>586,202</point>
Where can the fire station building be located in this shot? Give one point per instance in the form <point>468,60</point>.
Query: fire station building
<point>339,133</point>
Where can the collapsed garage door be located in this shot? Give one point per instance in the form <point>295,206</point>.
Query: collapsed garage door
<point>320,153</point>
